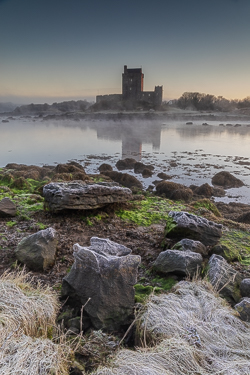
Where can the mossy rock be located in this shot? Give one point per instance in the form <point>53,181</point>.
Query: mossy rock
<point>236,245</point>
<point>208,205</point>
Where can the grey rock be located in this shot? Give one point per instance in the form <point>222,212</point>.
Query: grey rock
<point>7,208</point>
<point>38,251</point>
<point>81,196</point>
<point>102,277</point>
<point>183,224</point>
<point>227,180</point>
<point>245,288</point>
<point>243,308</point>
<point>191,245</point>
<point>183,262</point>
<point>224,278</point>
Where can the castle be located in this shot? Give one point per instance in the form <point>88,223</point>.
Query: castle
<point>132,90</point>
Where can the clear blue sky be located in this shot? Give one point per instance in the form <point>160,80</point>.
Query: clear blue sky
<point>53,50</point>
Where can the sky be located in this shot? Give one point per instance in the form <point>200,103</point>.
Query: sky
<point>55,50</point>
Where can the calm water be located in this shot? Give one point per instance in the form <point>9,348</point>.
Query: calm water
<point>199,151</point>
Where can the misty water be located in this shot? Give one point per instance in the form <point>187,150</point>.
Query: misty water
<point>191,154</point>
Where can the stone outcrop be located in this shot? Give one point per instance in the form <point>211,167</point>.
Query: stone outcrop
<point>174,191</point>
<point>187,244</point>
<point>105,167</point>
<point>243,309</point>
<point>38,251</point>
<point>183,262</point>
<point>7,208</point>
<point>185,225</point>
<point>103,274</point>
<point>227,180</point>
<point>224,278</point>
<point>81,196</point>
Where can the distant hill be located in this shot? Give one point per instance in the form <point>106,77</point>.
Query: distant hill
<point>7,107</point>
<point>68,106</point>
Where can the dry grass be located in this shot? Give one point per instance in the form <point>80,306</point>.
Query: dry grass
<point>193,332</point>
<point>27,318</point>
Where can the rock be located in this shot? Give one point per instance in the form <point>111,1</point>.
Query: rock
<point>147,173</point>
<point>218,192</point>
<point>164,176</point>
<point>244,218</point>
<point>225,252</point>
<point>105,167</point>
<point>182,224</point>
<point>124,179</point>
<point>227,180</point>
<point>190,245</point>
<point>38,251</point>
<point>243,308</point>
<point>127,163</point>
<point>224,278</point>
<point>81,196</point>
<point>245,288</point>
<point>69,168</point>
<point>174,191</point>
<point>205,190</point>
<point>183,262</point>
<point>139,167</point>
<point>189,123</point>
<point>7,208</point>
<point>103,274</point>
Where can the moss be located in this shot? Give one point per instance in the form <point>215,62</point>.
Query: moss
<point>237,245</point>
<point>208,205</point>
<point>158,285</point>
<point>11,223</point>
<point>152,210</point>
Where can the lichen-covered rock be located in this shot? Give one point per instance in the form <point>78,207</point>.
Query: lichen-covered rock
<point>104,275</point>
<point>7,207</point>
<point>81,196</point>
<point>38,251</point>
<point>187,244</point>
<point>183,262</point>
<point>227,180</point>
<point>224,278</point>
<point>186,225</point>
<point>245,288</point>
<point>243,308</point>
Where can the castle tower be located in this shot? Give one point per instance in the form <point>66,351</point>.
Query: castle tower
<point>132,84</point>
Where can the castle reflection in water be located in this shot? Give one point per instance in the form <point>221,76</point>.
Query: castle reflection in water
<point>132,135</point>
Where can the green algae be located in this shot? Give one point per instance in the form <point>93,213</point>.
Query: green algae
<point>151,210</point>
<point>236,245</point>
<point>208,205</point>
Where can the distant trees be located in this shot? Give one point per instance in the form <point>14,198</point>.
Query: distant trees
<point>206,102</point>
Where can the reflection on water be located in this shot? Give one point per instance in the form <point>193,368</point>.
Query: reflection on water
<point>191,154</point>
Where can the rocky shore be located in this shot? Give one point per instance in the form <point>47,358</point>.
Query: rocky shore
<point>111,252</point>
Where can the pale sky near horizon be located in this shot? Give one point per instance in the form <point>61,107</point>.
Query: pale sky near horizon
<point>55,50</point>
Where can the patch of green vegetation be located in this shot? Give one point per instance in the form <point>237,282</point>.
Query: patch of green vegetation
<point>94,218</point>
<point>11,223</point>
<point>158,285</point>
<point>237,245</point>
<point>208,205</point>
<point>41,226</point>
<point>152,210</point>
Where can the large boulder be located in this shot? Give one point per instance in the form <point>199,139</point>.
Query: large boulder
<point>227,180</point>
<point>105,167</point>
<point>174,191</point>
<point>182,262</point>
<point>187,244</point>
<point>124,179</point>
<point>127,163</point>
<point>104,275</point>
<point>81,196</point>
<point>185,225</point>
<point>224,278</point>
<point>205,190</point>
<point>7,207</point>
<point>243,309</point>
<point>38,251</point>
<point>140,167</point>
